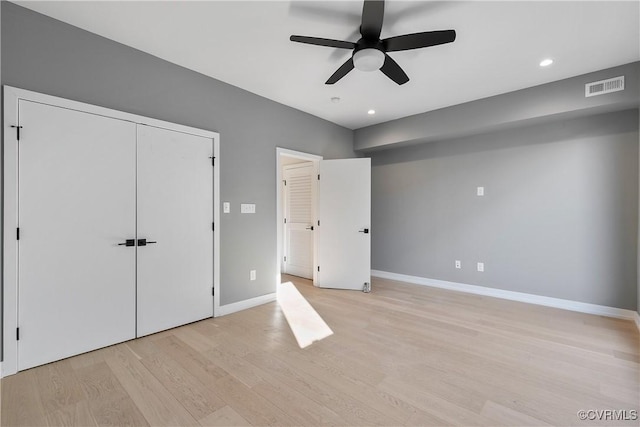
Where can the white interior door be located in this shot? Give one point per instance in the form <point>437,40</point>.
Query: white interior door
<point>76,204</point>
<point>299,218</point>
<point>175,211</point>
<point>344,212</point>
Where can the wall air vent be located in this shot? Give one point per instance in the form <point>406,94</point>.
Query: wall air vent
<point>604,86</point>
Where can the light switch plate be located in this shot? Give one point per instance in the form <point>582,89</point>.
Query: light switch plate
<point>247,208</point>
<point>480,191</point>
<point>226,207</point>
<point>481,267</point>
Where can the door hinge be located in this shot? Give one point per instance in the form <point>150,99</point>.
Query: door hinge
<point>318,268</point>
<point>18,233</point>
<point>17,131</point>
<point>285,220</point>
<point>285,259</point>
<point>213,161</point>
<point>17,334</point>
<point>213,291</point>
<point>318,177</point>
<point>285,182</point>
<point>318,223</point>
<point>213,226</point>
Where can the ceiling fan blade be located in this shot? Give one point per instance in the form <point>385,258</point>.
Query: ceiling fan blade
<point>323,42</point>
<point>341,72</point>
<point>392,70</point>
<point>418,40</point>
<point>372,17</point>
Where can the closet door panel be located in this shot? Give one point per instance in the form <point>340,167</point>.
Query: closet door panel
<point>76,286</point>
<point>175,210</point>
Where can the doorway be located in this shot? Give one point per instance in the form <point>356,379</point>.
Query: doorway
<point>341,239</point>
<point>296,213</point>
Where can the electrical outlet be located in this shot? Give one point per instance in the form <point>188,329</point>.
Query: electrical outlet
<point>481,267</point>
<point>252,275</point>
<point>248,208</point>
<point>480,191</point>
<point>458,264</point>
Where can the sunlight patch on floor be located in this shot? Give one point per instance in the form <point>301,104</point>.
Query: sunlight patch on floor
<point>305,323</point>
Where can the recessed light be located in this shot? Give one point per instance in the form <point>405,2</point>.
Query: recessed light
<point>371,112</point>
<point>335,99</point>
<point>546,62</point>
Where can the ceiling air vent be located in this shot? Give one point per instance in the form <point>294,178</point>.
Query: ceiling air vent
<point>604,86</point>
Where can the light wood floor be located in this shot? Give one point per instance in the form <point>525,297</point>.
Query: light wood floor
<point>402,354</point>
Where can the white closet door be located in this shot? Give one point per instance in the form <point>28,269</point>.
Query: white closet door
<point>76,204</point>
<point>175,210</point>
<point>299,213</point>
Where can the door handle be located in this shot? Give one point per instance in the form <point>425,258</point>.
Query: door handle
<point>128,242</point>
<point>145,242</point>
<point>364,230</point>
<point>310,228</point>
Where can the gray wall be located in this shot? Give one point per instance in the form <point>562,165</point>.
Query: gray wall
<point>559,218</point>
<point>48,56</point>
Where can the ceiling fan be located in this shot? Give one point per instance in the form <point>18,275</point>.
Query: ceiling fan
<point>370,52</point>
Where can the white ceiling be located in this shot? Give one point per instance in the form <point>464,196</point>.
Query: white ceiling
<point>498,47</point>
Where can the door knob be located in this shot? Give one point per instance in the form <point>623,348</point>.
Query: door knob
<point>310,228</point>
<point>128,242</point>
<point>364,230</point>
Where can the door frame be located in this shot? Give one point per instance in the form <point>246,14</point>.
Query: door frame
<point>12,96</point>
<point>280,152</point>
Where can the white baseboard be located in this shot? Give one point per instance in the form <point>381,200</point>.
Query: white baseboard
<point>637,319</point>
<point>583,307</point>
<point>243,305</point>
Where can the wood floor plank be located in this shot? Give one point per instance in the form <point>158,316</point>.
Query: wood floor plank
<point>300,408</point>
<point>154,401</point>
<point>504,416</point>
<point>236,366</point>
<point>76,414</point>
<point>350,408</point>
<point>21,404</point>
<point>109,403</point>
<point>192,336</point>
<point>205,370</point>
<point>57,385</point>
<point>250,405</point>
<point>224,417</point>
<point>396,410</point>
<point>196,398</point>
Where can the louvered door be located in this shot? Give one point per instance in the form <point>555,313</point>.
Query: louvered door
<point>299,217</point>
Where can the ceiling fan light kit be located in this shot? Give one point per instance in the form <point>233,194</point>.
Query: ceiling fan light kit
<point>368,59</point>
<point>370,52</point>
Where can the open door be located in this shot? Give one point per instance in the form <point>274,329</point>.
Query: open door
<point>344,224</point>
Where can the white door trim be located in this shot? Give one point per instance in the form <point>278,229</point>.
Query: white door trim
<point>279,214</point>
<point>12,96</point>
